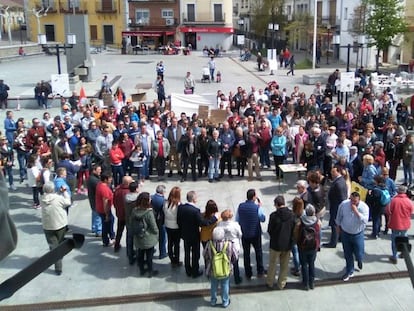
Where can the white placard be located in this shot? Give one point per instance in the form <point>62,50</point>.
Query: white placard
<point>347,81</point>
<point>60,84</point>
<point>240,39</point>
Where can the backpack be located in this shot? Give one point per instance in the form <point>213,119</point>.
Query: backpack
<point>307,241</point>
<point>138,226</point>
<point>220,262</point>
<point>385,197</point>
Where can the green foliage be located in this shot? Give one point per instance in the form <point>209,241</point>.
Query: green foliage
<point>265,12</point>
<point>304,64</point>
<point>385,21</point>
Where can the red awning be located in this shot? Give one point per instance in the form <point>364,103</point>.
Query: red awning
<point>147,33</point>
<point>207,29</point>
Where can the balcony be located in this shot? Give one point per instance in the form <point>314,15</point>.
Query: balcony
<point>205,19</point>
<point>106,6</point>
<point>50,6</point>
<point>66,7</point>
<point>153,22</point>
<point>329,19</point>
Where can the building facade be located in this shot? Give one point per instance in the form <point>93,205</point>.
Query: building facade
<point>206,24</point>
<point>153,23</point>
<point>106,19</point>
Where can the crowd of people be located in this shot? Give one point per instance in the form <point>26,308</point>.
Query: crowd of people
<point>90,149</point>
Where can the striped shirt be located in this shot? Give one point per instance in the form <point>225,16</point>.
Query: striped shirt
<point>349,221</point>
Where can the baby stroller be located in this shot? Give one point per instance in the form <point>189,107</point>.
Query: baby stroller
<point>205,75</point>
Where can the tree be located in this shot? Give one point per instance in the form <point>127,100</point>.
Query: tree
<point>266,12</point>
<point>385,21</point>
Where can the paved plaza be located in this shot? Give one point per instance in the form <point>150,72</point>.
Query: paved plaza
<point>96,278</point>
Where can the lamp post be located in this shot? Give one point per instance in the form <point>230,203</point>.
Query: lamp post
<point>240,22</point>
<point>70,42</point>
<point>20,22</point>
<point>273,28</point>
<point>328,28</point>
<point>361,42</point>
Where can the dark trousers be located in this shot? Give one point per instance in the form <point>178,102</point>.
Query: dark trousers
<point>174,245</point>
<point>130,246</point>
<point>54,238</point>
<point>256,242</point>
<point>202,165</point>
<point>225,159</point>
<point>36,191</point>
<point>119,231</point>
<point>186,161</point>
<point>334,235</point>
<point>160,166</point>
<point>107,228</point>
<point>144,256</point>
<point>191,257</point>
<point>307,261</point>
<point>241,165</point>
<point>278,160</point>
<point>117,174</point>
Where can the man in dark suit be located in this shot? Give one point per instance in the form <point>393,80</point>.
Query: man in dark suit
<point>189,220</point>
<point>337,193</point>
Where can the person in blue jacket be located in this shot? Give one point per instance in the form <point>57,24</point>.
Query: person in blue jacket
<point>278,146</point>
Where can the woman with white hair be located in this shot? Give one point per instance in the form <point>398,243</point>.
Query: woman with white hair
<point>54,217</point>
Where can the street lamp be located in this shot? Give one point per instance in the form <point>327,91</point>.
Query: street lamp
<point>361,42</point>
<point>20,22</point>
<point>273,28</point>
<point>70,42</point>
<point>328,28</point>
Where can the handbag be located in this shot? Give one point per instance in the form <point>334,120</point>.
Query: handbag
<point>188,91</point>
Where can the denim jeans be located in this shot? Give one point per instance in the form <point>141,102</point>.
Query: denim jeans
<point>213,168</point>
<point>117,174</point>
<point>394,234</point>
<point>96,223</point>
<point>408,174</point>
<point>162,239</point>
<point>9,172</point>
<point>353,244</point>
<point>107,228</point>
<point>130,246</point>
<point>225,290</point>
<point>22,158</point>
<point>256,242</point>
<point>264,156</point>
<point>295,257</point>
<point>307,260</point>
<point>376,223</point>
<point>145,168</point>
<point>144,256</point>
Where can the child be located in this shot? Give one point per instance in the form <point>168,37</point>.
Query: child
<point>218,76</point>
<point>218,243</point>
<point>138,158</point>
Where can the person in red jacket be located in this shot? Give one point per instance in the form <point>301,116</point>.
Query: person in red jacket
<point>116,156</point>
<point>399,218</point>
<point>119,204</point>
<point>104,199</point>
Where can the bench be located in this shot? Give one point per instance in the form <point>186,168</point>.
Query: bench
<point>312,79</point>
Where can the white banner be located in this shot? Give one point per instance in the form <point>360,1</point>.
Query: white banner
<point>189,103</point>
<point>60,84</point>
<point>347,81</point>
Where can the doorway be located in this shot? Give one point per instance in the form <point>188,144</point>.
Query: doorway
<point>190,38</point>
<point>50,33</point>
<point>108,34</point>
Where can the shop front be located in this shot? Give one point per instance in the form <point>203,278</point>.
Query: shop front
<point>200,37</point>
<point>151,39</point>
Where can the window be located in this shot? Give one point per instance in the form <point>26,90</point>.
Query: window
<point>47,3</point>
<point>345,13</point>
<point>167,13</point>
<point>191,12</point>
<point>74,4</point>
<point>93,32</point>
<point>218,13</point>
<point>142,16</point>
